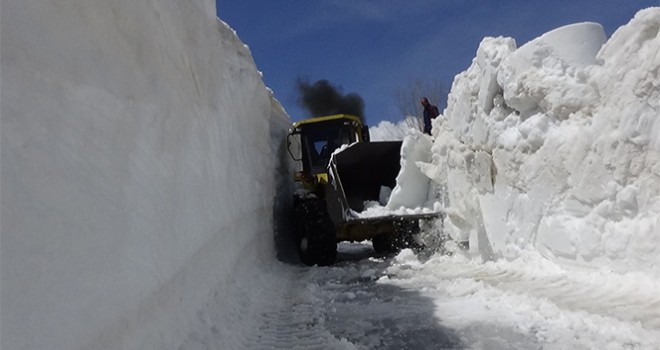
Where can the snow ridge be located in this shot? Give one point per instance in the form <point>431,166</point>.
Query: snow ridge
<point>561,306</point>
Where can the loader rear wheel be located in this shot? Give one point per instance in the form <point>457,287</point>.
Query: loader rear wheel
<point>317,244</point>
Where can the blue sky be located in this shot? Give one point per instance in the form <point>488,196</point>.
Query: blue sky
<point>373,48</point>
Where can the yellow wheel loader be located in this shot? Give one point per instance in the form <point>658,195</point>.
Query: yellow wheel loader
<point>341,171</point>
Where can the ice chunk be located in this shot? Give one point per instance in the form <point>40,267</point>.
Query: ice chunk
<point>412,185</point>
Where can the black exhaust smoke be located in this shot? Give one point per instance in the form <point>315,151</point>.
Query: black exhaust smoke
<point>322,98</point>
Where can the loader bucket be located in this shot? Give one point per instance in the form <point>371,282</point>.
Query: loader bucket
<point>359,171</point>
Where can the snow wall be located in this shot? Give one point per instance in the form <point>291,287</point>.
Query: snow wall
<point>138,175</point>
<point>554,147</point>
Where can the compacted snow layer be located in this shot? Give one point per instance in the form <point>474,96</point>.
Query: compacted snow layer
<point>139,158</point>
<point>560,307</point>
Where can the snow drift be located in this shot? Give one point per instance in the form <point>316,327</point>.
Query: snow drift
<point>138,174</point>
<point>555,146</point>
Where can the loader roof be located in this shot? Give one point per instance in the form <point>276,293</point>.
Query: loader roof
<point>326,118</point>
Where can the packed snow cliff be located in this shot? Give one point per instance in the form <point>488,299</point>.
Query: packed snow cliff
<point>139,176</point>
<point>554,146</point>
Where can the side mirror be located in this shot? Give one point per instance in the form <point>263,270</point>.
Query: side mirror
<point>294,140</point>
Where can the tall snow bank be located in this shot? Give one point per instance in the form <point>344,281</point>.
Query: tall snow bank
<point>138,175</point>
<point>555,146</point>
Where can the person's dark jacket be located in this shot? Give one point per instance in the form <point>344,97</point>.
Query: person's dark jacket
<point>430,113</point>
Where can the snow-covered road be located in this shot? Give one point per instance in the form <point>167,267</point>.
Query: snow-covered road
<point>409,301</point>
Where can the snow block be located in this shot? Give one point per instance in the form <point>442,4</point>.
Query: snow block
<point>412,186</point>
<point>531,73</point>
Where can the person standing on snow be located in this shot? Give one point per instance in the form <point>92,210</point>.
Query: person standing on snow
<point>430,113</point>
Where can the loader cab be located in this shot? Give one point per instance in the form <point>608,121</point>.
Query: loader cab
<point>320,140</point>
<point>312,142</point>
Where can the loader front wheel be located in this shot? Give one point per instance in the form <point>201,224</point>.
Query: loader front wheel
<point>317,244</point>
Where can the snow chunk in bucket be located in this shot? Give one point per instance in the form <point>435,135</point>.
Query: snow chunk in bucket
<point>412,185</point>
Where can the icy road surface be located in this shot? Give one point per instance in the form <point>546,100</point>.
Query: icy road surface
<point>407,301</point>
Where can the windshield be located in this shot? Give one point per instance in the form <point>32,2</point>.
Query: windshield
<point>322,139</point>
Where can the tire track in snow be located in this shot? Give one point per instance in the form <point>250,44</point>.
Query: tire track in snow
<point>296,322</point>
<point>371,315</point>
<point>343,307</point>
